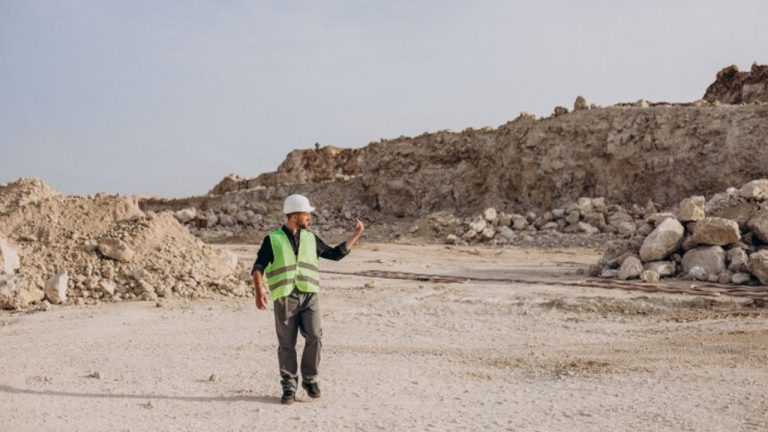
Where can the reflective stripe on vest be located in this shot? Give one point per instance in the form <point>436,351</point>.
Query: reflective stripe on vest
<point>286,271</point>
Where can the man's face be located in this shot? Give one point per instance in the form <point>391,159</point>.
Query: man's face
<point>303,219</point>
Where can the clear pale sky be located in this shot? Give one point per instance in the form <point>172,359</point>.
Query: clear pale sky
<point>167,97</point>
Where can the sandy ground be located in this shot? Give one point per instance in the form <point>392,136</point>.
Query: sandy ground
<point>400,355</point>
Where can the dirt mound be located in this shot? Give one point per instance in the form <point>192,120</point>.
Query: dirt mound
<point>22,192</point>
<point>735,87</point>
<point>105,248</point>
<point>300,167</point>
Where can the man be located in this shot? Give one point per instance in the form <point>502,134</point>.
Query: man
<point>288,259</point>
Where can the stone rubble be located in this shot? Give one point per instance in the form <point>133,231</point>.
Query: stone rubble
<point>722,240</point>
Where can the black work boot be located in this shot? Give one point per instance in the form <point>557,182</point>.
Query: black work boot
<point>289,396</point>
<point>313,389</point>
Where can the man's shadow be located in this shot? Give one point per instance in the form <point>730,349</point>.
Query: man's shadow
<point>260,399</point>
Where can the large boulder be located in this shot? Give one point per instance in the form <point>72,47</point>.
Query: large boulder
<point>758,265</point>
<point>116,249</point>
<point>9,257</point>
<point>691,209</point>
<point>716,231</point>
<point>630,268</point>
<point>710,258</point>
<point>738,260</point>
<point>756,189</point>
<point>662,241</point>
<point>758,224</point>
<point>56,288</point>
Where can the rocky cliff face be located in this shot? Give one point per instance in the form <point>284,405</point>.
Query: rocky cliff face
<point>628,154</point>
<point>734,87</point>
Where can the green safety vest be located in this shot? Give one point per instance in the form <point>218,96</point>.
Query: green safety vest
<point>287,271</point>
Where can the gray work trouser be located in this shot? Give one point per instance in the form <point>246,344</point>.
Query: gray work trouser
<point>298,311</point>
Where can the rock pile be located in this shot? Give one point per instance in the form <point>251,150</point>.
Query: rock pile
<point>70,249</point>
<point>723,240</point>
<point>588,216</point>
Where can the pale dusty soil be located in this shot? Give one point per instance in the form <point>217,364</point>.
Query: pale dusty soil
<point>400,355</point>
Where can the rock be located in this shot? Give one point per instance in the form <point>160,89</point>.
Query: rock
<point>716,231</point>
<point>469,235</point>
<point>691,209</point>
<point>609,273</point>
<point>664,240</point>
<point>688,243</point>
<point>738,260</point>
<point>587,229</point>
<point>599,205</point>
<point>645,229</point>
<point>13,296</point>
<point>559,111</point>
<point>519,222</point>
<point>758,265</point>
<point>710,258</point>
<point>56,288</point>
<point>230,258</point>
<point>663,268</point>
<point>490,215</point>
<point>116,249</point>
<point>741,278</point>
<point>697,273</point>
<point>713,278</point>
<point>656,218</point>
<point>451,239</point>
<point>573,218</point>
<point>549,226</point>
<point>623,222</point>
<point>725,277</point>
<point>442,219</point>
<point>580,104</point>
<point>505,219</point>
<point>558,213</point>
<point>488,233</point>
<point>530,217</point>
<point>478,225</point>
<point>649,276</point>
<point>758,224</point>
<point>630,268</point>
<point>507,233</point>
<point>756,189</point>
<point>227,220</point>
<point>586,207</point>
<point>94,374</point>
<point>108,287</point>
<point>9,257</point>
<point>185,215</point>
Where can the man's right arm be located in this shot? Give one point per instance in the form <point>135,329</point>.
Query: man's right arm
<point>263,259</point>
<point>260,292</point>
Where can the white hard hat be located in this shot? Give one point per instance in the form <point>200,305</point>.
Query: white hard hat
<point>297,204</point>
